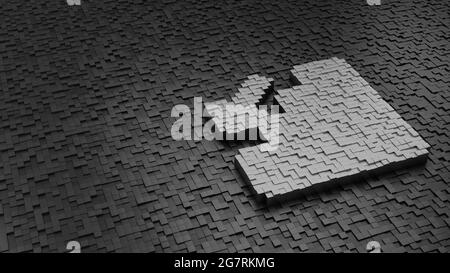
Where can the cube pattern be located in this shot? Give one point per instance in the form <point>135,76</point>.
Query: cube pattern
<point>335,126</point>
<point>86,153</point>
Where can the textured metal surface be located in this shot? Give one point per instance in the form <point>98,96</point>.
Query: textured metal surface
<point>85,146</point>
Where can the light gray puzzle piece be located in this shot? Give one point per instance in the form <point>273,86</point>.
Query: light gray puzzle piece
<point>335,126</point>
<point>251,93</point>
<point>73,2</point>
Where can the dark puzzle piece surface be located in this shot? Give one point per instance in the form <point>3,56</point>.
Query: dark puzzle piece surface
<point>85,146</point>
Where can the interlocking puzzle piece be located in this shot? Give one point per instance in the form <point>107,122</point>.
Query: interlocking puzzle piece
<point>251,93</point>
<point>334,126</point>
